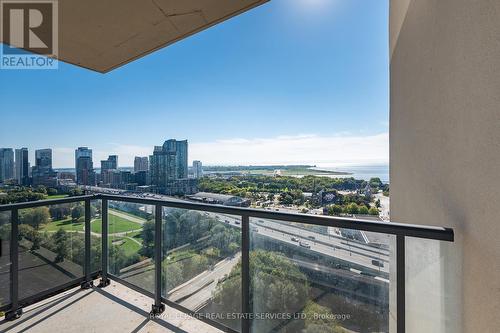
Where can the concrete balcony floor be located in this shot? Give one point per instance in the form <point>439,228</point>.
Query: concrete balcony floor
<point>115,308</point>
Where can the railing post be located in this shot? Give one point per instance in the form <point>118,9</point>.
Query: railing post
<point>158,307</point>
<point>104,244</point>
<point>400,283</point>
<point>88,283</point>
<point>15,311</point>
<point>245,273</point>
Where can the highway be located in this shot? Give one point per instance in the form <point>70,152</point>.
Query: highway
<point>354,253</point>
<point>194,293</point>
<point>336,247</point>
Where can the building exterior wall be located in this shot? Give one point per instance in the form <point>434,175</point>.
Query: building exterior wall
<point>22,166</point>
<point>84,166</point>
<point>141,164</point>
<point>43,158</point>
<point>6,164</point>
<point>445,157</point>
<point>169,168</point>
<point>197,169</point>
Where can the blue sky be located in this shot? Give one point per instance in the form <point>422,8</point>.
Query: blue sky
<point>293,81</point>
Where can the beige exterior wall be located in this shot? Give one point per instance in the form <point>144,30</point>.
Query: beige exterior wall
<point>445,155</point>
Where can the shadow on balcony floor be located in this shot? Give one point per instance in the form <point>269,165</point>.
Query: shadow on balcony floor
<point>113,309</point>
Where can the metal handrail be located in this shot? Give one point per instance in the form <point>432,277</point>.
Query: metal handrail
<point>47,202</point>
<point>392,228</point>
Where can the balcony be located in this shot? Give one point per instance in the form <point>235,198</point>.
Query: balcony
<point>129,264</point>
<point>112,309</point>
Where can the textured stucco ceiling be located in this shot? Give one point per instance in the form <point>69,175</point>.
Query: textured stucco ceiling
<point>103,35</point>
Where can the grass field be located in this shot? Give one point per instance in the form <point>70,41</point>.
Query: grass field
<point>115,224</point>
<point>126,213</point>
<point>57,196</point>
<point>135,235</point>
<point>129,246</point>
<point>66,224</point>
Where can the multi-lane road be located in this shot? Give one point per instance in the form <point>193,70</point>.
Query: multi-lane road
<point>358,255</point>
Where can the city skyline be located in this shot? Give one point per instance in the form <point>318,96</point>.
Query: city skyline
<point>208,150</point>
<point>236,103</point>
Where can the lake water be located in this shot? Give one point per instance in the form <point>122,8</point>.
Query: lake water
<point>364,172</point>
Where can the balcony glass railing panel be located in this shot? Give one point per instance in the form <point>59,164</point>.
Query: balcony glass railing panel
<point>131,237</point>
<point>5,263</point>
<point>95,236</point>
<point>307,278</point>
<point>291,273</point>
<point>51,247</point>
<point>432,289</point>
<point>201,266</point>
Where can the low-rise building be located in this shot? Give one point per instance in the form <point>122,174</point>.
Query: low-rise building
<point>220,199</point>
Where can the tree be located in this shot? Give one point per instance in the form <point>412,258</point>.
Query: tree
<point>377,203</point>
<point>77,212</point>
<point>117,258</point>
<point>36,240</point>
<point>35,216</point>
<point>373,211</point>
<point>28,232</point>
<point>277,284</point>
<point>174,273</point>
<point>335,210</point>
<point>233,248</point>
<point>41,189</point>
<point>353,208</point>
<point>75,192</point>
<point>363,210</point>
<point>59,212</point>
<point>61,243</point>
<point>319,319</point>
<point>148,239</point>
<point>51,191</point>
<point>286,198</point>
<point>194,266</point>
<point>375,182</point>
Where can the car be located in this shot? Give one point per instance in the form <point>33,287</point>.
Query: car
<point>295,239</point>
<point>311,237</point>
<point>305,245</point>
<point>377,263</point>
<point>237,222</point>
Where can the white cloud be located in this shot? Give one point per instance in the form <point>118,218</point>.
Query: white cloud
<point>300,149</point>
<point>339,149</point>
<point>63,157</point>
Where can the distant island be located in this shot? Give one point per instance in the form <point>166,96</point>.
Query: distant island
<point>264,170</point>
<point>269,170</point>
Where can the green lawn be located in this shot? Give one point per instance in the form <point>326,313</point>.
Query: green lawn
<point>137,235</point>
<point>66,224</point>
<point>115,224</point>
<point>126,213</point>
<point>129,246</point>
<point>57,196</point>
